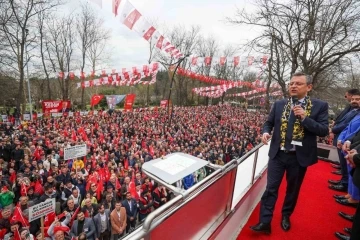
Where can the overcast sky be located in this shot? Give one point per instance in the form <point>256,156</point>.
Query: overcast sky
<point>128,49</point>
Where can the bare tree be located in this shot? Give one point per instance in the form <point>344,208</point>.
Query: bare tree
<point>90,35</point>
<point>18,19</point>
<point>309,35</point>
<point>60,49</point>
<point>186,41</point>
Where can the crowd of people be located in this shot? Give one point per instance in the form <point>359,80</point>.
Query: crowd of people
<point>105,194</point>
<point>345,131</point>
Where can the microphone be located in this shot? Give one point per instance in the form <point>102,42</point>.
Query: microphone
<point>295,101</point>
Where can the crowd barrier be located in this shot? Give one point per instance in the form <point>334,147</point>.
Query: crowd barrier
<point>218,206</point>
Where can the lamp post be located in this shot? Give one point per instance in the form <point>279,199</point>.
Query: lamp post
<point>27,73</point>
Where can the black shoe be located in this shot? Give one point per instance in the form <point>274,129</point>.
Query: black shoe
<point>339,187</point>
<point>334,182</point>
<point>346,203</point>
<point>285,223</point>
<point>336,172</point>
<point>336,166</point>
<point>339,196</point>
<point>346,216</point>
<point>342,236</point>
<point>347,230</point>
<point>262,228</point>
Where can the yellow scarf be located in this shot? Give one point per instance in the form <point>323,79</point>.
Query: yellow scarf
<point>298,132</point>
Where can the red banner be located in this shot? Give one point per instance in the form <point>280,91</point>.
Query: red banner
<point>129,102</point>
<point>56,106</point>
<point>163,103</point>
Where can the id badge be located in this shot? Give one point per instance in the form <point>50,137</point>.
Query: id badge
<point>297,143</point>
<point>86,229</point>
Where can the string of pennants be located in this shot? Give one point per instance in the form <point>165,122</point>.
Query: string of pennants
<point>236,61</point>
<point>123,79</point>
<point>224,85</point>
<point>127,14</point>
<point>145,69</point>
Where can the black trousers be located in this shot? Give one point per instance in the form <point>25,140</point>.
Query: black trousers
<point>282,163</point>
<point>355,230</point>
<point>130,224</point>
<point>105,235</point>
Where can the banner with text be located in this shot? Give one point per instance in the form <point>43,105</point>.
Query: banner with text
<point>75,152</point>
<point>42,209</point>
<point>56,106</point>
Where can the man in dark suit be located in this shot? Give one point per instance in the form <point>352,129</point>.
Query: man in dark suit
<point>83,225</point>
<point>130,206</point>
<point>296,122</point>
<point>102,223</point>
<point>340,122</point>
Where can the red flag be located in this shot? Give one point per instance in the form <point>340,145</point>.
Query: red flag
<point>118,185</point>
<point>71,75</point>
<point>149,33</point>
<point>236,61</point>
<point>160,42</point>
<point>18,217</point>
<point>74,216</point>
<point>222,61</point>
<point>207,61</point>
<point>17,235</point>
<point>12,177</point>
<point>49,219</point>
<point>129,15</point>
<point>2,233</point>
<point>115,6</point>
<point>38,188</point>
<point>100,189</point>
<point>95,99</point>
<point>73,135</point>
<point>92,179</point>
<point>23,190</point>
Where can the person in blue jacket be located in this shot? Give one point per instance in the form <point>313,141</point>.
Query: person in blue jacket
<point>188,181</point>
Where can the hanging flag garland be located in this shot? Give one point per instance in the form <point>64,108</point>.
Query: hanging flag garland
<point>134,20</point>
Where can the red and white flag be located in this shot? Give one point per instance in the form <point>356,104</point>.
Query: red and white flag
<point>159,43</point>
<point>222,61</point>
<point>115,6</point>
<point>129,15</point>
<point>207,61</point>
<point>144,28</point>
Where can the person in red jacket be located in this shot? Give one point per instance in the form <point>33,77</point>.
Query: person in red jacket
<point>145,204</point>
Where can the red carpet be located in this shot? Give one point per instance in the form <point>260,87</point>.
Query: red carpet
<point>316,214</point>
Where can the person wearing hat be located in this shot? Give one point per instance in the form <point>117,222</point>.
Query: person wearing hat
<point>59,226</point>
<point>6,197</point>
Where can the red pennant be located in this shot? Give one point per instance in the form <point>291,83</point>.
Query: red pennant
<point>132,18</point>
<point>149,33</point>
<point>160,42</point>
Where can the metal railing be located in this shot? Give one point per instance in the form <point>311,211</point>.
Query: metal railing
<point>183,196</point>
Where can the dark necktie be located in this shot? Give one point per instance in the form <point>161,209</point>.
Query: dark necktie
<point>289,132</point>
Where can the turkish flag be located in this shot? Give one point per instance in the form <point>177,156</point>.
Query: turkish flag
<point>222,61</point>
<point>18,217</point>
<point>159,43</point>
<point>149,33</point>
<point>95,99</point>
<point>129,15</point>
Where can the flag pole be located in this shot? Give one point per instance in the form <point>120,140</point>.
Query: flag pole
<point>42,227</point>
